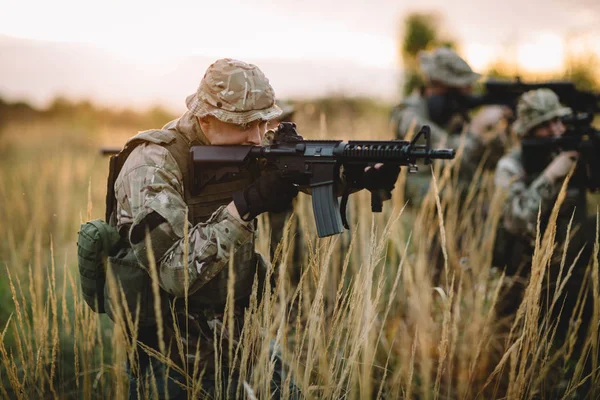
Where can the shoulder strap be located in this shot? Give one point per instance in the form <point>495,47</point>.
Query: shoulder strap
<point>168,138</point>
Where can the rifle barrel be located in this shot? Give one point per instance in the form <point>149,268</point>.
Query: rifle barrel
<point>110,151</point>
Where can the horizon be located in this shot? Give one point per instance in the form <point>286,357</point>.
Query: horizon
<point>345,48</point>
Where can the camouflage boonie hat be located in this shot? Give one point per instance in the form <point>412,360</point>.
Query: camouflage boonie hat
<point>536,107</point>
<point>445,66</point>
<point>234,92</point>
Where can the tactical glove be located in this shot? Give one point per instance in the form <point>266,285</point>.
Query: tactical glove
<point>561,165</point>
<point>269,193</point>
<point>380,179</point>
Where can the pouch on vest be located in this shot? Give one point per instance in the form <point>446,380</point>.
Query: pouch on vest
<point>95,242</point>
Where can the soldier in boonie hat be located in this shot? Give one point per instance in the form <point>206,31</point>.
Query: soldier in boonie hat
<point>536,107</point>
<point>234,92</point>
<point>206,230</point>
<point>444,66</point>
<point>442,103</point>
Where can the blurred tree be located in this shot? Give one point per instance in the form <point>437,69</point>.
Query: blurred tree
<point>584,71</point>
<point>60,106</point>
<point>420,31</point>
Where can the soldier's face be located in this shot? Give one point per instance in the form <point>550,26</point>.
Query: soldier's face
<point>551,128</point>
<point>224,133</point>
<point>272,124</point>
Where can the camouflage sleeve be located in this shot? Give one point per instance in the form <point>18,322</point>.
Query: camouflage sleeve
<point>150,188</point>
<point>523,202</point>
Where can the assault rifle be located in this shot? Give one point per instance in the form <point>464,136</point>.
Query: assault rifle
<point>314,164</point>
<point>507,92</point>
<point>580,136</point>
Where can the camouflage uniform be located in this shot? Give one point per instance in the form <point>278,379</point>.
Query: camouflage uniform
<point>530,194</point>
<point>152,197</point>
<point>445,67</point>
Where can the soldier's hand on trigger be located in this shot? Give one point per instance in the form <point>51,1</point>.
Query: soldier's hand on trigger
<point>381,178</point>
<point>486,124</point>
<point>269,193</point>
<point>561,165</point>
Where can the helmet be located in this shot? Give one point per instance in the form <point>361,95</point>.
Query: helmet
<point>536,107</point>
<point>234,92</point>
<point>445,66</point>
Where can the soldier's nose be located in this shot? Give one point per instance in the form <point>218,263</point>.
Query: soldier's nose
<point>254,136</point>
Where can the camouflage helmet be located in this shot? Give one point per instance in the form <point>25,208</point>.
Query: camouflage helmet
<point>536,107</point>
<point>445,66</point>
<point>234,92</point>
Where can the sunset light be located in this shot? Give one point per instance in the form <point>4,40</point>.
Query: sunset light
<point>543,54</point>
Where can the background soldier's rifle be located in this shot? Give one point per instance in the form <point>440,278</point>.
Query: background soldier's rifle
<point>580,136</point>
<point>507,92</point>
<point>315,164</point>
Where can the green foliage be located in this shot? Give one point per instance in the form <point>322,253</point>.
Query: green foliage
<point>583,71</point>
<point>421,31</point>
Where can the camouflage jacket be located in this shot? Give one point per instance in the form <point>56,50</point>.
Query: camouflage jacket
<point>413,110</point>
<point>151,183</point>
<point>529,195</point>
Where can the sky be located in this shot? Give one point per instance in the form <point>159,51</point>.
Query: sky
<point>361,33</point>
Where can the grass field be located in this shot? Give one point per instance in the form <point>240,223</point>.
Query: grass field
<point>372,316</point>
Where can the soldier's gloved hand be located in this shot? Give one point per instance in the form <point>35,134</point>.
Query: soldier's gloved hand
<point>487,119</point>
<point>561,165</point>
<point>382,179</point>
<point>271,192</point>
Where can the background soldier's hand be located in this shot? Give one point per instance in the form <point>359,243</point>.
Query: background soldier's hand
<point>561,165</point>
<point>271,192</point>
<point>486,123</point>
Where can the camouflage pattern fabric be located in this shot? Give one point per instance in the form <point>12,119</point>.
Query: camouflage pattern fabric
<point>528,196</point>
<point>536,107</point>
<point>150,201</point>
<point>444,66</point>
<point>236,92</point>
<point>150,182</point>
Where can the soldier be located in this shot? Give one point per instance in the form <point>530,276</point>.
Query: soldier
<point>441,105</point>
<point>154,204</point>
<point>532,183</point>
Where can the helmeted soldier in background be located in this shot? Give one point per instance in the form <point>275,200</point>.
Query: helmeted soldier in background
<point>532,183</point>
<point>441,105</point>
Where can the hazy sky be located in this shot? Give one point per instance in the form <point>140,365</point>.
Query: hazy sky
<point>156,36</point>
<point>359,30</point>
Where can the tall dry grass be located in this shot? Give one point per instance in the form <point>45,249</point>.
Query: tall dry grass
<point>401,306</point>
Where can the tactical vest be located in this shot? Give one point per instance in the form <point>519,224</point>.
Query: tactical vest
<point>210,197</point>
